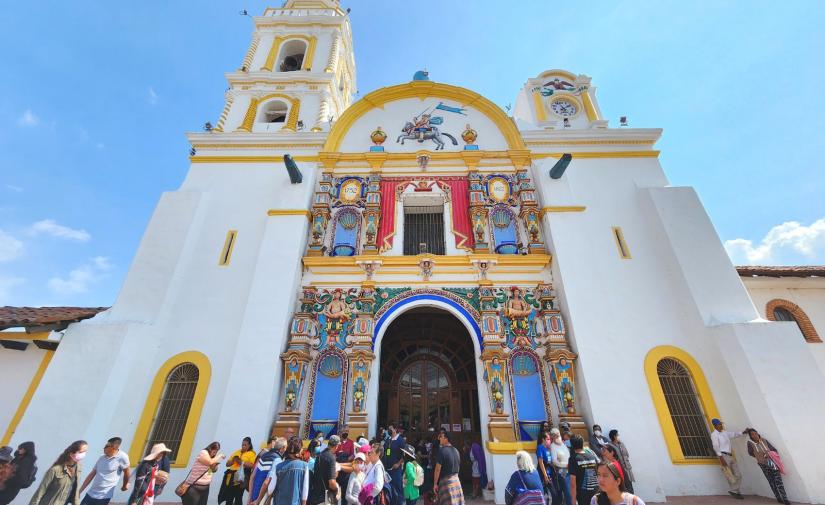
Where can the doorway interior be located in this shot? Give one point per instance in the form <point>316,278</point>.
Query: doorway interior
<point>428,377</point>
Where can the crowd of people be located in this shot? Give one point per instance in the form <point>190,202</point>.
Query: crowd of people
<point>387,470</point>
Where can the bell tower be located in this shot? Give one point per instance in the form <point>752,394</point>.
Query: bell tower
<point>298,74</point>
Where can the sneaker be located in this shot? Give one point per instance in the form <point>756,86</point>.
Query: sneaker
<point>738,496</point>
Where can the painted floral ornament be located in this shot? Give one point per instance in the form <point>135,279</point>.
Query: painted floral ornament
<point>469,135</point>
<point>378,136</point>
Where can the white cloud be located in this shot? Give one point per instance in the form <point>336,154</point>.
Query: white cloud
<point>153,97</point>
<point>12,187</point>
<point>787,243</point>
<point>10,247</point>
<point>80,278</point>
<point>54,229</point>
<point>28,119</point>
<point>6,285</point>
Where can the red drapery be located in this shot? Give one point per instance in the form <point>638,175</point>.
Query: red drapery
<point>460,194</point>
<point>460,200</point>
<point>386,230</point>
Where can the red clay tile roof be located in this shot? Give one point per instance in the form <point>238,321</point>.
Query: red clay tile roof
<point>781,271</point>
<point>15,317</point>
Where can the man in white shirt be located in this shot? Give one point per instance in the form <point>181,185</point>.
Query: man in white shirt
<point>105,475</point>
<point>722,446</point>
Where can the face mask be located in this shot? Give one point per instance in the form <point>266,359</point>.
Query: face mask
<point>598,433</point>
<point>77,456</point>
<point>567,443</point>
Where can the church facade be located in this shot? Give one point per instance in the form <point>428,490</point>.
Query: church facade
<point>419,256</point>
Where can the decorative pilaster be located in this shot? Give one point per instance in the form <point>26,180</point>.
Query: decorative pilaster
<point>273,53</point>
<point>494,360</point>
<point>372,214</point>
<point>323,113</point>
<point>292,119</point>
<point>249,118</point>
<point>320,216</point>
<point>332,61</point>
<point>553,333</point>
<point>478,212</point>
<point>361,359</point>
<point>230,98</point>
<point>530,214</point>
<point>250,53</point>
<point>296,363</point>
<point>561,365</point>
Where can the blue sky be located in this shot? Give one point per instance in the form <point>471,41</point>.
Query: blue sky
<point>95,100</point>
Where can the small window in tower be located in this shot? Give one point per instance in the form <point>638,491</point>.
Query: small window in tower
<point>292,56</point>
<point>423,229</point>
<point>274,112</point>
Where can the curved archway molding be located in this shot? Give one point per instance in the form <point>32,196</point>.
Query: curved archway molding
<point>144,425</point>
<point>806,327</point>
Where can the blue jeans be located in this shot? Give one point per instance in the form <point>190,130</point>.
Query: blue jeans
<point>397,483</point>
<point>562,487</point>
<point>88,500</point>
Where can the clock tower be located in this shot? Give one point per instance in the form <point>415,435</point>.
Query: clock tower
<point>557,99</point>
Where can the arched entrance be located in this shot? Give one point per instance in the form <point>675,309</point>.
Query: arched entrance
<point>428,377</point>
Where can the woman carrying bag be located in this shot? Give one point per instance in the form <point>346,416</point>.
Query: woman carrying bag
<point>195,489</point>
<point>151,475</point>
<point>768,460</point>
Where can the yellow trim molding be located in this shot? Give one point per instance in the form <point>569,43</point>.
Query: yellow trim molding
<point>247,159</point>
<point>538,103</point>
<point>27,396</point>
<point>558,72</point>
<point>422,90</point>
<point>144,426</point>
<point>501,260</point>
<point>665,421</point>
<point>289,212</point>
<point>228,247</point>
<point>510,447</point>
<point>621,243</point>
<point>589,108</point>
<point>600,154</point>
<point>22,335</point>
<point>562,208</point>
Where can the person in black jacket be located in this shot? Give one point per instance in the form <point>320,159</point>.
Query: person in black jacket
<point>24,472</point>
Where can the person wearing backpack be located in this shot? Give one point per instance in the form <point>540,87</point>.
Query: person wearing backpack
<point>525,486</point>
<point>582,469</point>
<point>413,475</point>
<point>25,472</point>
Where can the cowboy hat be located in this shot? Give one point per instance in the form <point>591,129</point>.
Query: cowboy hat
<point>156,450</point>
<point>409,451</point>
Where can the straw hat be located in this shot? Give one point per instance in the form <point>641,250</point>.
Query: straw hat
<point>409,451</point>
<point>156,450</point>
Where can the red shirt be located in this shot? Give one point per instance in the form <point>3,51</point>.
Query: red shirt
<point>346,447</point>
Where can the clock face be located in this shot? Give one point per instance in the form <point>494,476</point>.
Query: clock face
<point>564,108</point>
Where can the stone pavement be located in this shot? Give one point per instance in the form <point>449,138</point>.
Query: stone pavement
<point>672,500</point>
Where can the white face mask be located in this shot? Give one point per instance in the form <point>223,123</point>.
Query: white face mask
<point>598,433</point>
<point>77,456</point>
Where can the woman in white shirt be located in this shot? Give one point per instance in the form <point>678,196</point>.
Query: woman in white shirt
<point>356,479</point>
<point>375,474</point>
<point>561,456</point>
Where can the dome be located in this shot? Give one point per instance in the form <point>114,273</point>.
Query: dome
<point>421,75</point>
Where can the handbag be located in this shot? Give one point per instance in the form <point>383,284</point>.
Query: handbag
<point>183,487</point>
<point>528,496</point>
<point>774,458</point>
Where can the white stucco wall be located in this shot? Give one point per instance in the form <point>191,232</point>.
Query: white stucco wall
<point>19,367</point>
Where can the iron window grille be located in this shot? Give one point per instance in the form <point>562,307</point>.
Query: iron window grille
<point>423,230</point>
<point>689,420</point>
<point>173,409</point>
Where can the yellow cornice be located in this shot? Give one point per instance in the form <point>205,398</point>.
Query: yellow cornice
<point>422,90</point>
<point>256,146</point>
<point>600,154</point>
<point>247,159</point>
<point>556,71</point>
<point>289,212</point>
<point>562,208</point>
<point>646,142</point>
<point>502,260</point>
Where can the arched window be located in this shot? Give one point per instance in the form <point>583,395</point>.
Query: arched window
<point>784,310</point>
<point>684,404</point>
<point>273,111</point>
<point>291,57</point>
<point>685,412</point>
<point>173,407</point>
